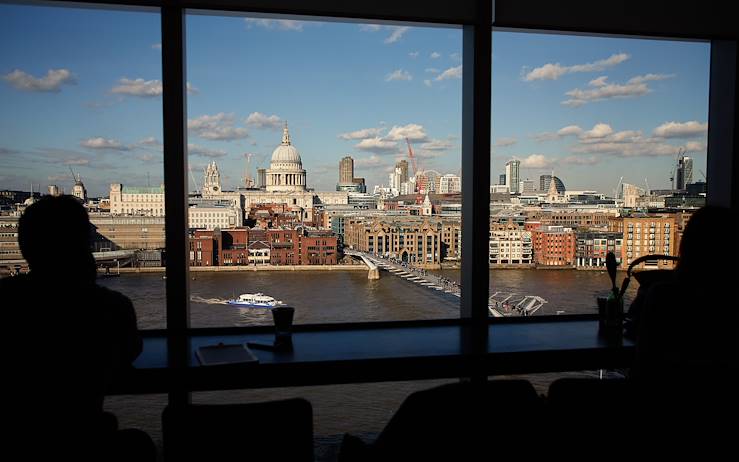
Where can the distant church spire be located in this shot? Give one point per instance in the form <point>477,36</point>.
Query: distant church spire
<point>285,135</point>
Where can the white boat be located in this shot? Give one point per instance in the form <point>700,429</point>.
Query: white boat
<point>258,300</point>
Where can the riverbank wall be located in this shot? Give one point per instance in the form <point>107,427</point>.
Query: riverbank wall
<point>226,269</point>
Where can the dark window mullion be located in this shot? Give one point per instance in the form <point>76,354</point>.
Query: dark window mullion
<point>476,91</point>
<point>175,180</point>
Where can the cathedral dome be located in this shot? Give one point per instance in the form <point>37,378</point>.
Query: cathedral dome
<point>286,152</point>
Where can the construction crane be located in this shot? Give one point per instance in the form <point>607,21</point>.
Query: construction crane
<point>411,156</point>
<point>616,192</point>
<point>248,180</point>
<point>74,177</point>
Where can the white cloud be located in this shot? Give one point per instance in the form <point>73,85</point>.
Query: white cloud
<point>503,142</point>
<point>377,144</point>
<point>371,162</point>
<point>636,86</point>
<point>138,87</point>
<point>456,56</point>
<point>536,161</point>
<point>545,136</point>
<point>546,72</point>
<point>150,141</point>
<point>51,82</point>
<point>103,143</point>
<point>217,127</point>
<point>432,70</point>
<point>398,74</point>
<point>77,161</point>
<point>259,120</point>
<point>695,146</point>
<point>436,145</point>
<point>435,55</point>
<point>569,130</point>
<point>681,129</point>
<point>451,73</point>
<point>650,77</point>
<point>413,54</point>
<point>576,160</point>
<point>195,150</point>
<point>413,132</point>
<point>361,134</point>
<point>600,130</point>
<point>396,34</point>
<point>427,82</point>
<point>224,133</point>
<point>599,82</point>
<point>157,46</point>
<point>279,24</point>
<point>149,158</point>
<point>554,71</point>
<point>144,88</point>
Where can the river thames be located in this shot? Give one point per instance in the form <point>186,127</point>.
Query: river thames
<point>328,297</point>
<point>348,296</point>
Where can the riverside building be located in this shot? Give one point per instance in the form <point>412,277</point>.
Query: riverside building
<point>509,244</point>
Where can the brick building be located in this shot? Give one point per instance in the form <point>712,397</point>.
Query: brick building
<point>243,246</point>
<point>649,234</point>
<point>301,247</point>
<point>554,246</point>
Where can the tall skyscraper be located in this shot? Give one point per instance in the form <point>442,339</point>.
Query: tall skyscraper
<point>684,172</point>
<point>403,166</point>
<point>261,178</point>
<point>512,175</point>
<point>544,181</point>
<point>346,170</point>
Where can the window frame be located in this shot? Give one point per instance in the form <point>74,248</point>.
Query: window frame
<point>477,18</point>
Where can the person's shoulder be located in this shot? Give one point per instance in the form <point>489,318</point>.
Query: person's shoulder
<point>111,296</point>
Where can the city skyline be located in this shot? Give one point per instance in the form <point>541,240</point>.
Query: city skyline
<point>585,107</point>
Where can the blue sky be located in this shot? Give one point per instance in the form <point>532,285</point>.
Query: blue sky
<point>81,88</point>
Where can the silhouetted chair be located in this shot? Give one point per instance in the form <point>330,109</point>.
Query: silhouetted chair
<point>275,430</point>
<point>459,421</point>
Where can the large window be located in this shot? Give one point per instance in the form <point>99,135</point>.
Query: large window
<point>82,115</point>
<point>598,145</point>
<point>311,144</point>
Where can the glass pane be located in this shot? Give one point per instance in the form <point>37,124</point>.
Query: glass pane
<point>598,145</point>
<point>314,143</point>
<point>82,115</point>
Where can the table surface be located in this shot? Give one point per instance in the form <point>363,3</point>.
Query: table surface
<point>397,352</point>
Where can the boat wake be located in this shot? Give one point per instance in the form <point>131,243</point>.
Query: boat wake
<point>208,301</point>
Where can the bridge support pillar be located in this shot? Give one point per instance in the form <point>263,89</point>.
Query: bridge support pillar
<point>373,273</point>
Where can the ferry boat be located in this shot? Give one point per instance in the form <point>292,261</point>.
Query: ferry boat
<point>258,300</point>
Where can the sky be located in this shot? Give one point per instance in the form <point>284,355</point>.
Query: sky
<point>81,89</point>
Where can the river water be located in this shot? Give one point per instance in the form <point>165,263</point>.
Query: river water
<point>328,297</point>
<point>348,296</point>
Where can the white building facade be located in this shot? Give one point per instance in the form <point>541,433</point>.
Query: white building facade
<point>509,244</point>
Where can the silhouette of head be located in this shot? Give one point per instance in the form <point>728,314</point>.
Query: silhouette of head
<point>54,236</point>
<point>705,250</point>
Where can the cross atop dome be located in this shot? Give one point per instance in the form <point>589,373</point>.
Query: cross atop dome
<point>285,135</point>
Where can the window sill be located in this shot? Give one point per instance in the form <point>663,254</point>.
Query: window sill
<point>377,352</point>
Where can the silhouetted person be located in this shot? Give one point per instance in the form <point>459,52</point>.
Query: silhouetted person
<point>688,338</point>
<point>65,337</point>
